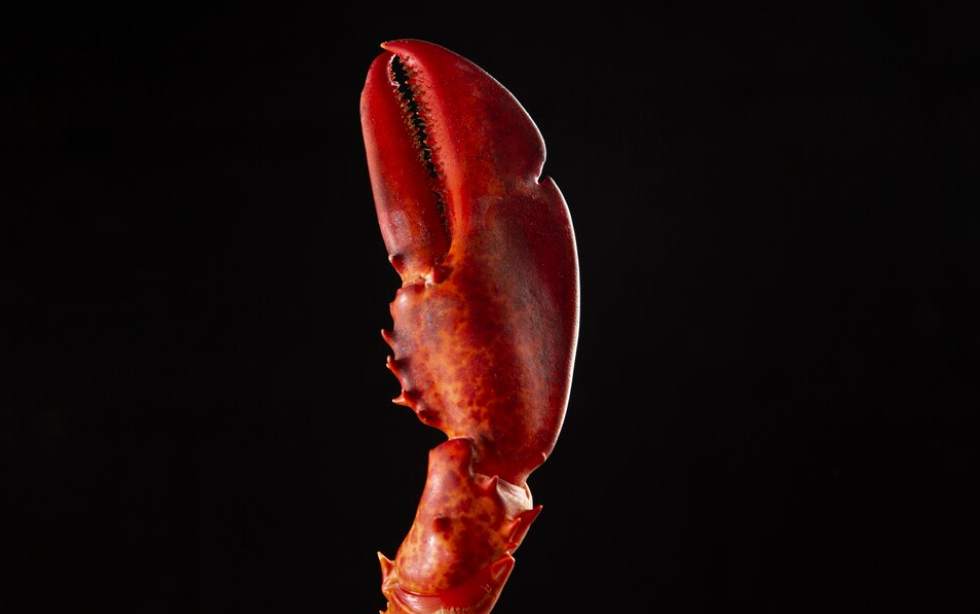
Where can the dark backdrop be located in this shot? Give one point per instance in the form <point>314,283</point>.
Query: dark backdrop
<point>775,214</point>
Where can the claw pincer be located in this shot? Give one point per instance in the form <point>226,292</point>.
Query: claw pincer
<point>486,320</point>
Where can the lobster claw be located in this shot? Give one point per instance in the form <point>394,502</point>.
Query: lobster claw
<point>486,320</point>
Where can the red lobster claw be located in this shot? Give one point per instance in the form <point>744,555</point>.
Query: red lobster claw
<point>486,320</point>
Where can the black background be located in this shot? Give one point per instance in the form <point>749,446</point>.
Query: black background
<point>775,214</point>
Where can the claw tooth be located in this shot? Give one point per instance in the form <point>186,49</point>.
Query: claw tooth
<point>402,399</point>
<point>500,569</point>
<point>529,516</point>
<point>389,337</point>
<point>408,398</point>
<point>392,365</point>
<point>521,524</point>
<point>386,565</point>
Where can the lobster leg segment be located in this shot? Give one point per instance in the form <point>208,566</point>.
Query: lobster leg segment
<point>458,552</point>
<point>486,321</point>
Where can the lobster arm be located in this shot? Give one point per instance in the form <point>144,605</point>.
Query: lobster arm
<point>458,551</point>
<point>486,320</point>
